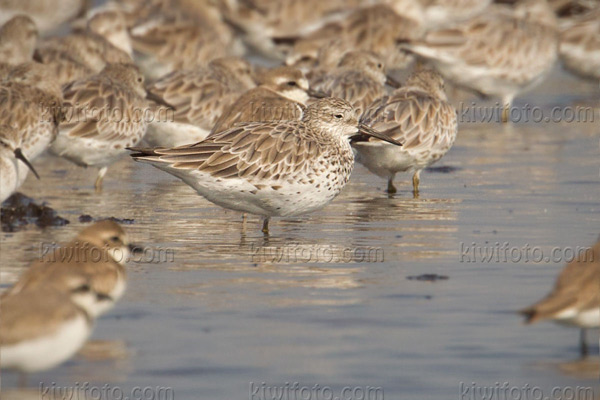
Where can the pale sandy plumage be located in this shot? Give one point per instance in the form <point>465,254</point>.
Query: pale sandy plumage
<point>374,28</point>
<point>165,44</point>
<point>42,328</point>
<point>501,53</point>
<point>47,14</point>
<point>575,298</point>
<point>442,13</point>
<point>281,96</point>
<point>18,38</point>
<point>273,168</point>
<point>98,254</point>
<point>11,175</point>
<point>200,97</point>
<point>30,102</point>
<point>79,54</point>
<point>111,25</point>
<point>359,78</point>
<point>104,114</point>
<point>580,44</point>
<point>268,24</point>
<point>419,116</point>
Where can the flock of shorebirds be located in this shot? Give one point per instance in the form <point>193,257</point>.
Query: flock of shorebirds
<point>166,82</point>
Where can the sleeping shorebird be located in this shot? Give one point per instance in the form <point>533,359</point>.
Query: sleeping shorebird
<point>271,169</point>
<point>580,44</point>
<point>575,299</point>
<point>419,116</point>
<point>104,114</point>
<point>18,38</point>
<point>47,14</point>
<point>281,96</point>
<point>502,52</point>
<point>200,96</point>
<point>359,78</point>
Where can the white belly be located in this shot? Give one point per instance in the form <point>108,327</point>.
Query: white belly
<point>47,351</point>
<point>173,134</point>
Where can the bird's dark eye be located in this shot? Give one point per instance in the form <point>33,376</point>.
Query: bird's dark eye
<point>115,239</point>
<point>291,83</point>
<point>82,289</point>
<point>338,116</point>
<point>380,65</point>
<point>140,79</point>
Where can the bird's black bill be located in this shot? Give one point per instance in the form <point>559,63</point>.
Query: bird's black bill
<point>158,100</point>
<point>136,249</point>
<point>365,130</point>
<point>317,94</point>
<point>392,82</point>
<point>20,156</point>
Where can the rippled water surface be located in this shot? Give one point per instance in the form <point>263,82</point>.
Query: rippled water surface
<point>338,308</point>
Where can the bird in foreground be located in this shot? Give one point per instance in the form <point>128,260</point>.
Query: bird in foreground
<point>502,52</point>
<point>98,254</point>
<point>359,78</point>
<point>41,328</point>
<point>418,115</point>
<point>30,103</point>
<point>580,44</point>
<point>281,96</point>
<point>575,298</point>
<point>200,96</point>
<point>271,169</point>
<point>104,114</point>
<point>10,155</point>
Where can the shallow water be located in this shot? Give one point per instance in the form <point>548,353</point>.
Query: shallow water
<point>225,313</point>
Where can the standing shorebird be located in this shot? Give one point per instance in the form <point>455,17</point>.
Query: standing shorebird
<point>502,52</point>
<point>10,155</point>
<point>274,168</point>
<point>104,114</point>
<point>359,79</point>
<point>419,116</point>
<point>200,96</point>
<point>281,96</point>
<point>42,328</point>
<point>575,299</point>
<point>30,103</point>
<point>98,253</point>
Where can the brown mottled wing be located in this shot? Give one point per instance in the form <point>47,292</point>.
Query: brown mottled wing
<point>102,110</point>
<point>259,105</point>
<point>198,97</point>
<point>17,107</point>
<point>254,151</point>
<point>354,87</point>
<point>420,122</point>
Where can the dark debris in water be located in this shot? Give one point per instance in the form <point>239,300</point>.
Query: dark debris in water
<point>19,211</point>
<point>85,218</point>
<point>428,278</point>
<point>444,169</point>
